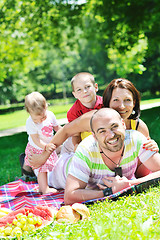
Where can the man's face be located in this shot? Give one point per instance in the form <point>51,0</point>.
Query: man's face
<point>109,131</point>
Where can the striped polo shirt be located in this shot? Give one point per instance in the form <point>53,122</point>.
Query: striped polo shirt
<point>88,166</point>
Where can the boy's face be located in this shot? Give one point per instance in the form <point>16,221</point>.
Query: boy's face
<point>84,90</point>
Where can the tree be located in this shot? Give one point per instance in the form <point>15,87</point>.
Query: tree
<point>131,32</point>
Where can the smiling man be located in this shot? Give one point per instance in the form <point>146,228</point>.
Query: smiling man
<point>108,159</point>
<point>105,162</point>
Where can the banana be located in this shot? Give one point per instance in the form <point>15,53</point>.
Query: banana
<point>4,211</point>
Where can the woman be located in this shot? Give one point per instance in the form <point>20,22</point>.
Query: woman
<point>122,96</point>
<point>112,94</point>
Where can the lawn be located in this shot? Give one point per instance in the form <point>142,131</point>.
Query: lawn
<point>18,118</point>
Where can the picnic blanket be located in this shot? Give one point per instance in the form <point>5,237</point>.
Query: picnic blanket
<point>18,194</point>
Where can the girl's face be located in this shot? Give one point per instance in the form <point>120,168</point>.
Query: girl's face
<point>39,118</point>
<point>122,101</point>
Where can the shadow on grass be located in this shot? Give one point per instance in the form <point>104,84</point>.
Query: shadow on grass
<point>11,147</point>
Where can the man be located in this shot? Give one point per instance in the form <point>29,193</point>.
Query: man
<point>111,150</point>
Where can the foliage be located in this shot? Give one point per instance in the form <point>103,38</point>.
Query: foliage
<point>45,43</point>
<point>127,29</point>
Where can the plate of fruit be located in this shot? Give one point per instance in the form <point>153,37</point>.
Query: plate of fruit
<point>17,223</point>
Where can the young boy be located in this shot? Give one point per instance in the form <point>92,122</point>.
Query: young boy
<point>84,90</point>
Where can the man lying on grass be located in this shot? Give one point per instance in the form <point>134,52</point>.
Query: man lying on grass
<point>105,162</point>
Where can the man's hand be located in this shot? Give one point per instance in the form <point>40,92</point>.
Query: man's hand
<point>116,183</point>
<point>50,147</point>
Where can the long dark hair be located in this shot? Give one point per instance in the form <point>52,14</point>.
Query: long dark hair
<point>126,84</point>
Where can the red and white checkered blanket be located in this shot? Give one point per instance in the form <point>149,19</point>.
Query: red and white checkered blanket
<point>18,194</point>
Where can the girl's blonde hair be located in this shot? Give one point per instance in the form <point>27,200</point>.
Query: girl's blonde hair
<point>35,103</point>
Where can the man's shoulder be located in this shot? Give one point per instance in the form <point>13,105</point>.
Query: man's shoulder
<point>88,143</point>
<point>134,136</point>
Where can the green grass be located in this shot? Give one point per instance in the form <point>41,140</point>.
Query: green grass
<point>152,118</point>
<point>130,218</point>
<point>18,118</point>
<point>11,147</point>
<point>143,102</point>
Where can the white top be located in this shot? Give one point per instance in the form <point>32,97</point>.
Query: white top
<point>44,129</point>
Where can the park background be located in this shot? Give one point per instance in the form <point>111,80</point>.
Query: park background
<point>44,44</point>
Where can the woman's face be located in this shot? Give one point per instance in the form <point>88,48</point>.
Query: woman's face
<point>122,101</point>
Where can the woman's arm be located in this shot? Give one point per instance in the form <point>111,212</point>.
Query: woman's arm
<point>143,128</point>
<point>81,124</point>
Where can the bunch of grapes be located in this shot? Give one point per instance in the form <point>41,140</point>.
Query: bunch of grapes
<point>21,224</point>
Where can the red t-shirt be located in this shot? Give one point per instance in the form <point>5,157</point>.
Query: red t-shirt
<point>79,109</point>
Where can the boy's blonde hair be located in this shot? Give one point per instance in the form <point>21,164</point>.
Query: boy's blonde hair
<point>35,103</point>
<point>82,75</point>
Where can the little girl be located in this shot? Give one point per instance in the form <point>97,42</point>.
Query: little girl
<point>39,127</point>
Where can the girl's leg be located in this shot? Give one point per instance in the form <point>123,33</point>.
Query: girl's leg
<point>43,184</point>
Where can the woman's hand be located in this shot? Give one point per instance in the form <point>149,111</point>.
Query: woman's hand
<point>37,160</point>
<point>151,145</point>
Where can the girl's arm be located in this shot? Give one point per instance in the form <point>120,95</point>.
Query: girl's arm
<point>150,143</point>
<point>36,139</point>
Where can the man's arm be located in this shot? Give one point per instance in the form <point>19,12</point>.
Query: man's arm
<point>75,191</point>
<point>81,124</point>
<point>117,184</point>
